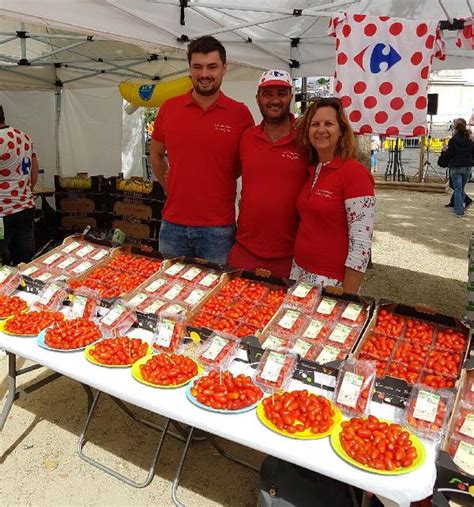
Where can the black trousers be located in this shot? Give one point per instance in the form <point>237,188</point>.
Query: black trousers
<point>18,244</point>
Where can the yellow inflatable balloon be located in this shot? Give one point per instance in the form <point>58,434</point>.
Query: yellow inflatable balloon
<point>151,94</point>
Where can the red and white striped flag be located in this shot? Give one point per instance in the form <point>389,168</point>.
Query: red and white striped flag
<point>382,70</point>
<point>465,38</point>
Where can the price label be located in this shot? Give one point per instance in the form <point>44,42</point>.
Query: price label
<point>273,342</point>
<point>175,269</point>
<point>29,271</point>
<point>114,314</point>
<point>467,427</point>
<point>352,311</point>
<point>175,309</point>
<point>209,279</point>
<point>154,307</point>
<point>99,255</point>
<point>138,299</point>
<point>464,457</point>
<point>83,266</point>
<point>194,297</point>
<point>273,366</point>
<point>85,250</point>
<point>191,273</point>
<point>289,318</point>
<point>172,293</point>
<point>314,328</point>
<point>326,306</point>
<point>426,406</point>
<point>301,347</point>
<point>48,294</point>
<point>51,258</point>
<point>328,354</point>
<point>72,246</point>
<point>215,347</point>
<point>66,262</point>
<point>350,389</point>
<point>79,306</point>
<point>340,333</point>
<point>5,272</point>
<point>165,332</point>
<point>45,277</point>
<point>302,290</point>
<point>155,285</point>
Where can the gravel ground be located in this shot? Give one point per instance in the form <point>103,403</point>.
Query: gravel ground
<point>419,255</point>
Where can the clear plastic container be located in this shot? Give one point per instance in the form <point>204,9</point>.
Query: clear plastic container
<point>468,390</point>
<point>328,308</point>
<point>316,329</point>
<point>50,298</point>
<point>10,280</point>
<point>194,297</point>
<point>218,351</point>
<point>175,309</point>
<point>275,370</point>
<point>323,354</point>
<point>169,333</point>
<point>461,451</point>
<point>380,364</point>
<point>427,411</point>
<point>288,322</point>
<point>173,292</point>
<point>209,280</point>
<point>118,320</point>
<point>85,304</point>
<point>156,285</point>
<point>302,296</point>
<point>353,314</point>
<point>274,342</point>
<point>175,270</point>
<point>306,349</point>
<point>464,420</point>
<point>343,335</point>
<point>354,387</point>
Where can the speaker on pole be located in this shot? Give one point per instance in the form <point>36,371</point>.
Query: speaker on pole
<point>432,103</point>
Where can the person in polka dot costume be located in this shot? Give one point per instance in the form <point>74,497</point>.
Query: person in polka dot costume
<point>18,175</point>
<point>336,205</point>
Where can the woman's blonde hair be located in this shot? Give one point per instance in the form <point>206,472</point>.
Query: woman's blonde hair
<point>346,146</point>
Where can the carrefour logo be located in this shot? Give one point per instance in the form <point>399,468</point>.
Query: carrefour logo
<point>377,58</point>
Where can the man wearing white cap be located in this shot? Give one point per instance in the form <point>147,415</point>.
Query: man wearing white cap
<point>274,169</point>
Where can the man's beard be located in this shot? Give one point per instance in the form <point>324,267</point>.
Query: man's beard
<point>285,111</point>
<point>207,92</point>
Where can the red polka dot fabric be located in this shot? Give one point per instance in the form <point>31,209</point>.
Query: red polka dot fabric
<point>16,156</point>
<point>382,70</point>
<point>465,36</point>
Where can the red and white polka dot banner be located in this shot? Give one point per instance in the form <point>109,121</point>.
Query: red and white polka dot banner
<point>382,70</point>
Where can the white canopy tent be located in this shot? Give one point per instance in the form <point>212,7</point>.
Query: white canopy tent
<point>83,48</point>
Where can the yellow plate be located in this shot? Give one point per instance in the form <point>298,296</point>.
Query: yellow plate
<point>420,449</point>
<point>302,435</point>
<point>137,375</point>
<point>91,358</point>
<point>2,329</point>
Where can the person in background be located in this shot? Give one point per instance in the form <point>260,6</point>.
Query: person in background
<point>274,169</point>
<point>336,205</point>
<point>18,176</point>
<point>460,152</point>
<point>374,149</point>
<point>200,132</point>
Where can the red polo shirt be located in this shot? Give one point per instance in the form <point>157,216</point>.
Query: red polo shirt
<point>272,178</point>
<point>202,147</point>
<point>322,242</point>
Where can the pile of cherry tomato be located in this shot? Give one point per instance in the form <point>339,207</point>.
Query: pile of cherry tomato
<point>72,334</point>
<point>389,324</point>
<point>11,305</point>
<point>32,323</point>
<point>119,351</point>
<point>225,391</point>
<point>298,411</point>
<point>377,444</point>
<point>169,369</point>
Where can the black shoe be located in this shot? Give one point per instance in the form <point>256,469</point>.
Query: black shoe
<point>449,205</point>
<point>467,206</point>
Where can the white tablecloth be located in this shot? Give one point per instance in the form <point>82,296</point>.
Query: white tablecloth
<point>245,428</point>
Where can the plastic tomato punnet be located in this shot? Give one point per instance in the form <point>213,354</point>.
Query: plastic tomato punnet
<point>380,364</point>
<point>176,270</point>
<point>316,330</point>
<point>427,411</point>
<point>194,296</point>
<point>274,342</point>
<point>328,308</point>
<point>468,390</point>
<point>173,292</point>
<point>323,354</point>
<point>85,303</point>
<point>306,349</point>
<point>169,333</point>
<point>353,314</point>
<point>462,451</point>
<point>302,296</point>
<point>218,351</point>
<point>10,280</point>
<point>464,420</point>
<point>354,387</point>
<point>343,335</point>
<point>288,322</point>
<point>275,369</point>
<point>156,285</point>
<point>118,320</point>
<point>51,297</point>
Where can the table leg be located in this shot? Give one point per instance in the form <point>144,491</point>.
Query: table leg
<point>127,480</point>
<point>174,487</point>
<point>229,456</point>
<point>11,389</point>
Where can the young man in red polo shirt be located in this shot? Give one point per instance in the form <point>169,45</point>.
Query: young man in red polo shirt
<point>200,133</point>
<point>274,169</point>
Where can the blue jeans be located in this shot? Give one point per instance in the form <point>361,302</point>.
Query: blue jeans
<point>373,159</point>
<point>460,176</point>
<point>211,243</point>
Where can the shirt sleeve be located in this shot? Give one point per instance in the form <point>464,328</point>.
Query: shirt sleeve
<point>360,210</point>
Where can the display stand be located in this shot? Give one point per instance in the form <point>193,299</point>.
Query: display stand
<point>428,166</point>
<point>394,170</point>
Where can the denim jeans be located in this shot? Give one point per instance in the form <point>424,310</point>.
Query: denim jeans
<point>211,243</point>
<point>460,176</point>
<point>18,244</point>
<point>373,160</point>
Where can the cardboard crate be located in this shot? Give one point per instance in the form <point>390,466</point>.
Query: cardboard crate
<point>137,208</point>
<point>78,222</point>
<point>390,389</point>
<point>83,203</point>
<point>83,183</point>
<point>452,483</point>
<point>137,229</point>
<point>138,187</point>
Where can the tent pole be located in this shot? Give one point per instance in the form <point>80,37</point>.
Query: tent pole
<point>58,97</point>
<point>22,43</point>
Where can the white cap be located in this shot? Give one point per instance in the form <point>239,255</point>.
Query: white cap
<point>276,78</point>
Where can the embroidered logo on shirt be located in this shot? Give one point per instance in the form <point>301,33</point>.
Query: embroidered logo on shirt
<point>220,127</point>
<point>327,194</point>
<point>292,155</point>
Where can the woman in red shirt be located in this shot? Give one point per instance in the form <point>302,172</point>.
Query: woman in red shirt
<point>336,205</point>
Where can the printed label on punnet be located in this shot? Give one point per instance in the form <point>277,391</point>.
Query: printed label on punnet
<point>426,406</point>
<point>350,389</point>
<point>352,311</point>
<point>273,366</point>
<point>85,250</point>
<point>301,347</point>
<point>156,305</point>
<point>79,306</point>
<point>83,266</point>
<point>302,290</point>
<point>272,342</point>
<point>175,269</point>
<point>52,258</point>
<point>289,318</point>
<point>464,457</point>
<point>99,255</point>
<point>138,299</point>
<point>5,272</point>
<point>191,273</point>
<point>313,329</point>
<point>215,347</point>
<point>209,279</point>
<point>173,292</point>
<point>72,246</point>
<point>165,332</point>
<point>340,333</point>
<point>194,297</point>
<point>157,284</point>
<point>48,294</point>
<point>328,354</point>
<point>45,277</point>
<point>66,262</point>
<point>326,306</point>
<point>113,315</point>
<point>467,427</point>
<point>29,271</point>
